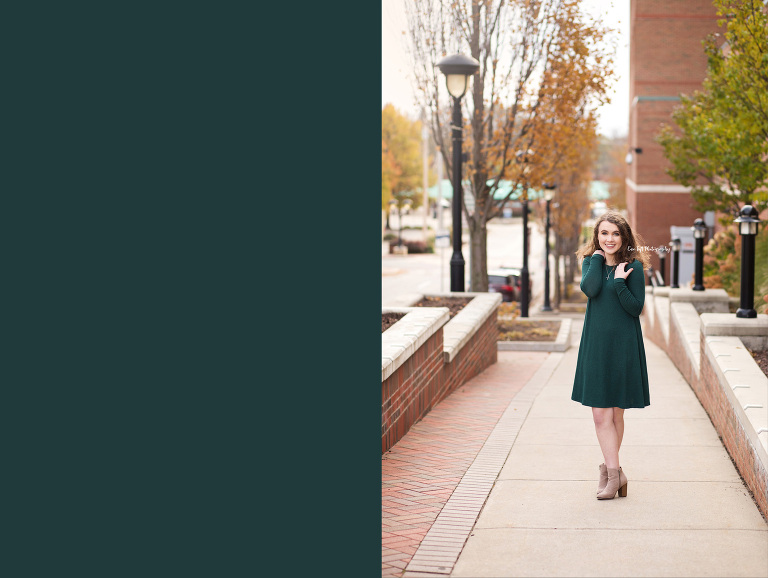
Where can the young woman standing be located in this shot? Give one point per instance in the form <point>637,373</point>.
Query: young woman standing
<point>611,373</point>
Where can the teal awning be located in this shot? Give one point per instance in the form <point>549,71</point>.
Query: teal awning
<point>598,191</point>
<point>499,194</point>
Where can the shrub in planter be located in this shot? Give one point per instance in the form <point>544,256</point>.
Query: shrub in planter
<point>413,246</point>
<point>417,247</point>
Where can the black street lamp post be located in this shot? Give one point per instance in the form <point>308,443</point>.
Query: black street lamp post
<point>524,278</point>
<point>747,221</point>
<point>522,157</point>
<point>675,244</point>
<point>457,69</point>
<point>699,232</point>
<point>548,197</point>
<point>662,257</point>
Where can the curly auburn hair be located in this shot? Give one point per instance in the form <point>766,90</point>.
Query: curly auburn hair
<point>632,244</point>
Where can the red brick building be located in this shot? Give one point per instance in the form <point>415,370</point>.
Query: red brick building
<point>666,59</point>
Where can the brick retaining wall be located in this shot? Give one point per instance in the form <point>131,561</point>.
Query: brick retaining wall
<point>411,391</point>
<point>711,388</point>
<point>714,400</point>
<point>427,377</point>
<point>479,353</point>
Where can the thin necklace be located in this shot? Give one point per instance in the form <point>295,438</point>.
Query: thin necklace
<point>609,272</point>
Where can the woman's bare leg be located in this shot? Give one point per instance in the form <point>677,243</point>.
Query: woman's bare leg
<point>607,436</point>
<point>618,423</point>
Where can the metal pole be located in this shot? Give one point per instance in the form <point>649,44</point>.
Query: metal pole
<point>457,260</point>
<point>524,271</point>
<point>425,200</point>
<point>698,282</point>
<point>747,297</point>
<point>546,306</point>
<point>439,160</point>
<point>400,228</point>
<point>662,259</point>
<point>675,268</point>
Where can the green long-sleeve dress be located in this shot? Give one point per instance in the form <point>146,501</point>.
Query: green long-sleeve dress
<point>611,369</point>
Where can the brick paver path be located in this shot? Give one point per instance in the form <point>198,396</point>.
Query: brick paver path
<point>422,470</point>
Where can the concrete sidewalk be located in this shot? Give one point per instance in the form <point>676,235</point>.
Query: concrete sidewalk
<point>687,512</point>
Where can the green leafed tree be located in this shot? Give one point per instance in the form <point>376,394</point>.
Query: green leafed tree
<point>719,146</point>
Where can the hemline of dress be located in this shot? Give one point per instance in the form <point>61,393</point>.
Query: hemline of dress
<point>607,406</point>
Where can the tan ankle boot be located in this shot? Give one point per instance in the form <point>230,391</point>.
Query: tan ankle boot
<point>617,482</point>
<point>603,478</point>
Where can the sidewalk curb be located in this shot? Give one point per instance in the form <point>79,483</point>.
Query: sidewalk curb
<point>440,549</point>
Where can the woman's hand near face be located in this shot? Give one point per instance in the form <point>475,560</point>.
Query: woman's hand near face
<point>599,252</point>
<point>621,272</point>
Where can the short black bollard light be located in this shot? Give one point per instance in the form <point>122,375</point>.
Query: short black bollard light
<point>699,232</point>
<point>748,222</point>
<point>662,253</point>
<point>675,244</point>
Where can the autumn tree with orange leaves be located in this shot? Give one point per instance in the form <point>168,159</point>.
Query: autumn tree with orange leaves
<point>401,162</point>
<point>543,70</point>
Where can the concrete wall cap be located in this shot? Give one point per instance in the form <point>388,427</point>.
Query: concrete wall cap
<point>685,294</point>
<point>459,330</point>
<point>729,324</point>
<point>403,338</point>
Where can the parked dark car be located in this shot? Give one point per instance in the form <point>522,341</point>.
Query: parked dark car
<point>506,281</point>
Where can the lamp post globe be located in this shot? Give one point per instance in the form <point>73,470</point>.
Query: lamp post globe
<point>457,68</point>
<point>699,232</point>
<point>747,222</point>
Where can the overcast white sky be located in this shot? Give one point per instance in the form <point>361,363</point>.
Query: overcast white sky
<point>396,87</point>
